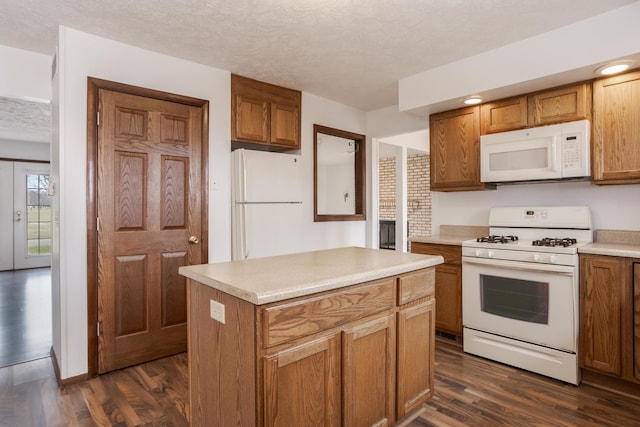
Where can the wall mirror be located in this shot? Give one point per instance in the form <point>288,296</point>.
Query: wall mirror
<point>339,175</point>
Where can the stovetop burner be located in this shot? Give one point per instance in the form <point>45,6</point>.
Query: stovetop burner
<point>555,241</point>
<point>497,239</point>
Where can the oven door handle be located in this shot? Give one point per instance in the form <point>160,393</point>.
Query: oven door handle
<point>518,265</point>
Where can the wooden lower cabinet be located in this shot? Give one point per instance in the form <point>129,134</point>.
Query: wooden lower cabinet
<point>636,320</point>
<point>610,316</point>
<point>416,340</point>
<point>448,286</point>
<point>301,385</point>
<point>368,378</point>
<point>357,356</point>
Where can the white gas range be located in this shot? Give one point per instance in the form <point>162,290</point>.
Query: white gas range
<point>520,288</point>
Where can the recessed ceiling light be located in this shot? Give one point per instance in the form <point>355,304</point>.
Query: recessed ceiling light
<point>473,100</point>
<point>613,68</point>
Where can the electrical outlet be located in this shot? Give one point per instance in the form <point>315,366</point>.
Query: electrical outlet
<point>216,310</point>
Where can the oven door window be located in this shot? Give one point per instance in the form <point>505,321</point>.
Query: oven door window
<point>515,299</point>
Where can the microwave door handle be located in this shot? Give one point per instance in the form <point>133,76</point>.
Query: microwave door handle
<point>554,155</point>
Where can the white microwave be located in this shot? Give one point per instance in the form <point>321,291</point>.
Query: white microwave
<point>543,153</point>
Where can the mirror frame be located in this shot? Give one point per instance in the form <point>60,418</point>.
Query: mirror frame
<point>360,174</point>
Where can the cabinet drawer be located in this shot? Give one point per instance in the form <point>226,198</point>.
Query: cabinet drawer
<point>416,285</point>
<point>452,254</point>
<point>285,321</point>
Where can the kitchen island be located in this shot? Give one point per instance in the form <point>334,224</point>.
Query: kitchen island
<point>325,338</point>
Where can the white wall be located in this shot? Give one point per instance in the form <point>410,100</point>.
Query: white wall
<point>24,74</point>
<point>316,110</point>
<point>82,55</point>
<point>576,48</point>
<point>612,207</point>
<point>24,150</point>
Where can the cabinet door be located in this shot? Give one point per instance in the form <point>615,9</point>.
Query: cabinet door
<point>601,298</point>
<point>455,150</point>
<point>251,119</point>
<point>302,385</point>
<point>616,129</point>
<point>284,125</point>
<point>503,115</point>
<point>368,373</point>
<point>416,341</point>
<point>560,105</point>
<point>449,297</point>
<point>636,321</point>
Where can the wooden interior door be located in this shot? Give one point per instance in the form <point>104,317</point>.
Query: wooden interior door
<point>149,224</point>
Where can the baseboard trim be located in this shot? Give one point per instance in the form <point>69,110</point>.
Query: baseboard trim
<point>612,384</point>
<point>67,381</point>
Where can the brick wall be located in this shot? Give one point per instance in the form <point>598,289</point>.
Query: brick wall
<point>418,197</point>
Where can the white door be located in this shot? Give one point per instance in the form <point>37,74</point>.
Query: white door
<point>25,215</point>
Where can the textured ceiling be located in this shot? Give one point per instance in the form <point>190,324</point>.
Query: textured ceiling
<point>350,51</point>
<point>22,120</point>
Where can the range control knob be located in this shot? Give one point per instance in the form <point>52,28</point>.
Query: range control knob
<point>537,257</point>
<point>490,254</point>
<point>553,259</point>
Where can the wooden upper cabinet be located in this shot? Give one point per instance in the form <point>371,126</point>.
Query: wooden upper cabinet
<point>455,150</point>
<point>616,130</point>
<point>559,105</point>
<point>503,115</point>
<point>262,113</point>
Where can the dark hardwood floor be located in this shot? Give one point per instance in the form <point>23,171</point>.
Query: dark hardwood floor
<point>25,315</point>
<point>469,391</point>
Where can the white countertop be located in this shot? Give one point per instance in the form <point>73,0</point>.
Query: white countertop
<point>611,249</point>
<point>442,239</point>
<point>270,279</point>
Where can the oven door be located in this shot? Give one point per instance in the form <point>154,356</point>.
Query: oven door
<point>536,303</point>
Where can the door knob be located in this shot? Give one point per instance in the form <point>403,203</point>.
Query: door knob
<point>194,240</point>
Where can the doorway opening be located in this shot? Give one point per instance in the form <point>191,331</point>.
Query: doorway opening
<point>25,231</point>
<point>402,196</point>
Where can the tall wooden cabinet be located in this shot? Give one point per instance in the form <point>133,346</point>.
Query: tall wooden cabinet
<point>455,150</point>
<point>448,287</point>
<point>616,129</point>
<point>609,313</point>
<point>265,114</point>
<point>357,356</point>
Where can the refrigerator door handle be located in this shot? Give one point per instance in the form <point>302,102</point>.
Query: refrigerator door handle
<point>245,232</point>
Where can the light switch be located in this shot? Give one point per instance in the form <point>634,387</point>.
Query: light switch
<point>216,311</point>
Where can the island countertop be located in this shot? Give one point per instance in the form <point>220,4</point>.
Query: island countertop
<point>264,280</point>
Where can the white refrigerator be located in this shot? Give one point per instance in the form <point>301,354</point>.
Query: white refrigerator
<point>266,201</point>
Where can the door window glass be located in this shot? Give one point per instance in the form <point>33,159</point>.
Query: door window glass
<point>515,299</point>
<point>38,215</point>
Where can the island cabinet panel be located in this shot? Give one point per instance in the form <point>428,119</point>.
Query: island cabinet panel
<point>301,317</point>
<point>345,357</point>
<point>301,385</point>
<point>368,379</point>
<point>212,364</point>
<point>416,343</point>
<point>616,129</point>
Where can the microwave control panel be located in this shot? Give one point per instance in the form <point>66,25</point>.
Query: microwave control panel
<point>575,152</point>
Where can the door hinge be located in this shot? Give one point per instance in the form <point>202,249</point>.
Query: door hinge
<point>97,118</point>
<point>98,329</point>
